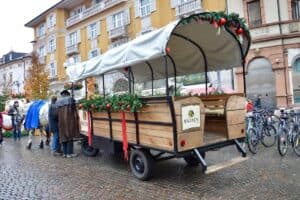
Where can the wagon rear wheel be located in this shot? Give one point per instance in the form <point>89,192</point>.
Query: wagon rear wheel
<point>141,164</point>
<point>192,160</point>
<point>88,150</point>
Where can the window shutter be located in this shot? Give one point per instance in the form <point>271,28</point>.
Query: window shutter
<point>98,28</point>
<point>137,8</point>
<point>153,5</point>
<point>174,3</point>
<point>78,36</point>
<point>88,31</point>
<point>109,22</point>
<point>127,16</point>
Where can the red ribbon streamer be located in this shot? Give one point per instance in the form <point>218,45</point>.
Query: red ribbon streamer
<point>124,136</point>
<point>89,128</point>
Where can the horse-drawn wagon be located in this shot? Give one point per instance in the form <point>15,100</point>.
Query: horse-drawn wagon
<point>165,127</point>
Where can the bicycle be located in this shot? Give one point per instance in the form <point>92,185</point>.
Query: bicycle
<point>260,130</point>
<point>289,132</point>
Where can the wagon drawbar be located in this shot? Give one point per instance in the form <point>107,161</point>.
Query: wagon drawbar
<point>171,126</point>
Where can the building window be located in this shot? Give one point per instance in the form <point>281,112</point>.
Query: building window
<point>254,13</point>
<point>42,51</point>
<point>145,7</point>
<point>42,30</point>
<point>51,21</point>
<point>51,45</point>
<point>118,20</point>
<point>296,9</point>
<point>93,53</point>
<point>52,70</point>
<point>92,31</point>
<point>73,38</point>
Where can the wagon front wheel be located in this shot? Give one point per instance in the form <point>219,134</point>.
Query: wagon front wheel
<point>87,150</point>
<point>141,164</point>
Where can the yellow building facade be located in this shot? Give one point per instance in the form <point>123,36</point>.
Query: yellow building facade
<point>76,30</point>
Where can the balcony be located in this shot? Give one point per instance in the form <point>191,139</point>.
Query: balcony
<point>72,49</point>
<point>91,11</point>
<point>189,7</point>
<point>273,30</point>
<point>117,32</point>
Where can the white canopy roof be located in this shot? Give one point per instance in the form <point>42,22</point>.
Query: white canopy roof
<point>186,41</point>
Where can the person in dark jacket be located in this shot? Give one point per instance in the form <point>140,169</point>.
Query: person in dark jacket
<point>53,126</point>
<point>68,123</point>
<point>17,119</point>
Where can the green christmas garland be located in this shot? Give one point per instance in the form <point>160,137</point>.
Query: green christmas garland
<point>115,103</point>
<point>218,19</point>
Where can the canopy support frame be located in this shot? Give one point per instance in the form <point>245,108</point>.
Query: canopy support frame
<point>152,77</point>
<point>202,52</point>
<point>175,72</point>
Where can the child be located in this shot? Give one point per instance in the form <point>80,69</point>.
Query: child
<point>1,121</point>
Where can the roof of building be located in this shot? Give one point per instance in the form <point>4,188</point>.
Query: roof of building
<point>13,56</point>
<point>61,4</point>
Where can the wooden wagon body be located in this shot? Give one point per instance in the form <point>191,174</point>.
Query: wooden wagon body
<point>171,126</point>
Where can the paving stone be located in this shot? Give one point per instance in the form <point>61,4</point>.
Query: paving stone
<point>36,174</point>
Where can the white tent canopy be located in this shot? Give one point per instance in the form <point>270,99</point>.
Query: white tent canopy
<point>189,45</point>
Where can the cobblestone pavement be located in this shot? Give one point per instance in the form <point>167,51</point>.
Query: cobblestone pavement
<point>36,174</point>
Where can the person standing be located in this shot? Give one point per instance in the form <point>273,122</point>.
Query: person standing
<point>53,126</point>
<point>16,120</point>
<point>68,123</point>
<point>257,103</point>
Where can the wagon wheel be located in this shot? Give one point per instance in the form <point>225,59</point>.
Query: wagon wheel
<point>141,164</point>
<point>192,160</point>
<point>88,150</point>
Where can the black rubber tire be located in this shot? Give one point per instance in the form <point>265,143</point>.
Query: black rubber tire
<point>252,140</point>
<point>296,144</point>
<point>282,144</point>
<point>269,138</point>
<point>88,150</point>
<point>141,164</point>
<point>192,160</point>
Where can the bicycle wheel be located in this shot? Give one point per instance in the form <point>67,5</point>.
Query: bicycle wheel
<point>283,142</point>
<point>268,136</point>
<point>296,144</point>
<point>253,140</point>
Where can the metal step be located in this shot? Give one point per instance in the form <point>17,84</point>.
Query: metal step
<point>225,164</point>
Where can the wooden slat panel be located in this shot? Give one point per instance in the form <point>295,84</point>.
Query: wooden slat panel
<point>192,139</point>
<point>236,116</point>
<point>236,131</point>
<point>215,125</point>
<point>146,140</point>
<point>155,131</point>
<point>236,102</point>
<point>178,102</point>
<point>161,107</point>
<point>100,114</point>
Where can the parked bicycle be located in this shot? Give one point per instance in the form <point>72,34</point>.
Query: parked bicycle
<point>289,132</point>
<point>260,130</point>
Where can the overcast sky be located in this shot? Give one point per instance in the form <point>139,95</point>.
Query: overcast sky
<point>13,15</point>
